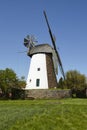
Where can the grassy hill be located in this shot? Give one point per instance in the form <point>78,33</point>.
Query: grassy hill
<point>65,114</point>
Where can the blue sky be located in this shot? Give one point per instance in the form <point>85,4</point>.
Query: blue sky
<point>68,21</point>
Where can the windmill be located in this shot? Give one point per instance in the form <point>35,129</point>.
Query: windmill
<point>44,62</point>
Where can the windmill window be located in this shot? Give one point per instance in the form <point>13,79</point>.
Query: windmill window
<point>37,82</point>
<point>38,69</point>
<point>30,80</point>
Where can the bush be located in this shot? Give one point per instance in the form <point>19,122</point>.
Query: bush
<point>79,93</point>
<point>17,93</point>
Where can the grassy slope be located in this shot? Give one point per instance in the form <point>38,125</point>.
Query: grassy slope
<point>65,114</point>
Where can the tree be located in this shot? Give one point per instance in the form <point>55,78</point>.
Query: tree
<point>21,82</point>
<point>61,83</point>
<point>9,80</point>
<point>75,80</point>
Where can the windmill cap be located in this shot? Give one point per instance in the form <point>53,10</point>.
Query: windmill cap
<point>42,48</point>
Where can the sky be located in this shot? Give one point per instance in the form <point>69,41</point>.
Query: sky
<point>68,21</point>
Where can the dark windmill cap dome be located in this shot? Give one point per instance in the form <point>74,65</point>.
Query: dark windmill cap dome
<point>41,48</point>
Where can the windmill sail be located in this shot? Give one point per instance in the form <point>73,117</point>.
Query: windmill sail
<point>54,45</point>
<point>29,42</point>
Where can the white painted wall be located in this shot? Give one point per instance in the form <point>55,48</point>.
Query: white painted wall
<point>37,61</point>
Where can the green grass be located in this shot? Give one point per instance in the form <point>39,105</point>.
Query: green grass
<point>65,114</point>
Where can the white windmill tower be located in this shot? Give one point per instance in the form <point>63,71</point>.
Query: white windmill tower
<point>44,63</point>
